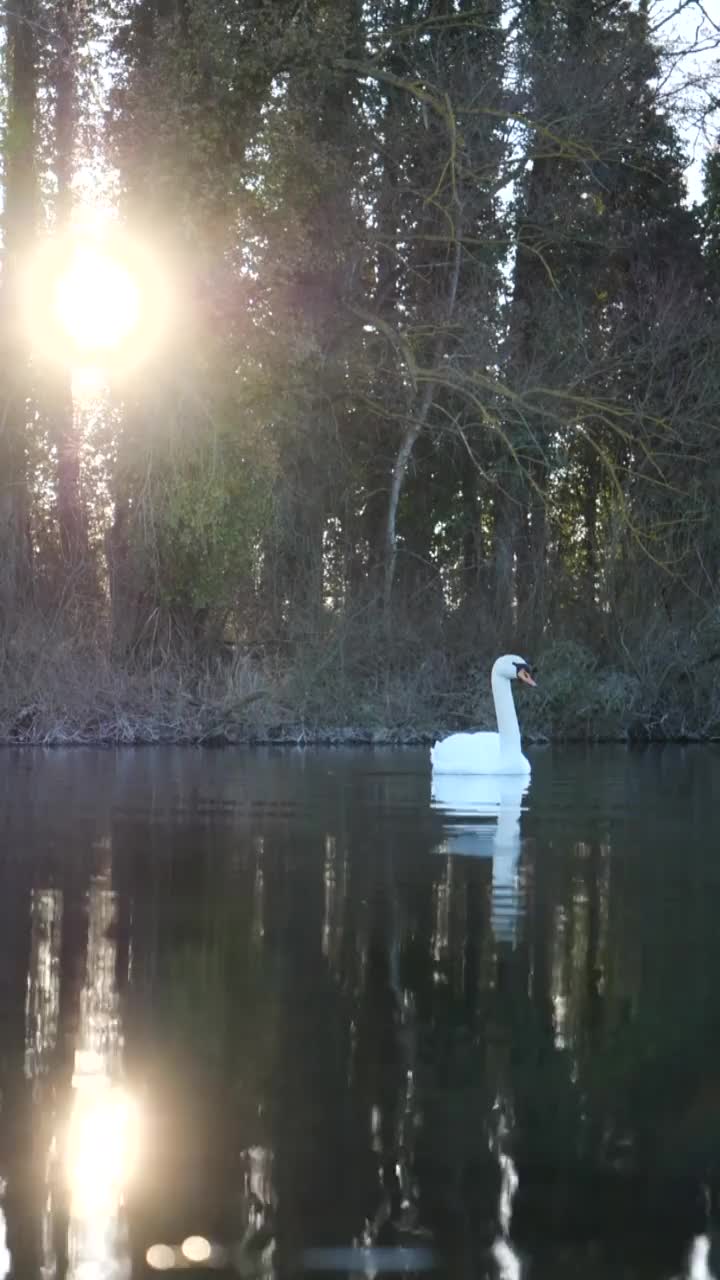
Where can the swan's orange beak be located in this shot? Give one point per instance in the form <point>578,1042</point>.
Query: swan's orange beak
<point>524,675</point>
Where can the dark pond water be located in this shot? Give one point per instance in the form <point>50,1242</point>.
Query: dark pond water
<point>287,1014</point>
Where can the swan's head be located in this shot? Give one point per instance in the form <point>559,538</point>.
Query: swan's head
<point>513,667</point>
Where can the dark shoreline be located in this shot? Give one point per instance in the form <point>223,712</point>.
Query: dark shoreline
<point>314,738</point>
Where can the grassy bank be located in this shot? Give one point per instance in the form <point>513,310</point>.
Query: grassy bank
<point>59,689</point>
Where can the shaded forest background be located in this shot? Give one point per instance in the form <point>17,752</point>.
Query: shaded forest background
<point>444,382</point>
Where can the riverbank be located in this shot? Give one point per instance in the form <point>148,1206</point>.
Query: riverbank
<point>65,693</point>
<point>34,725</point>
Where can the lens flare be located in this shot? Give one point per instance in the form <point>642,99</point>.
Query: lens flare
<point>97,300</point>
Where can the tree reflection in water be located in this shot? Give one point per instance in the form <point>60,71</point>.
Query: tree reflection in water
<point>277,1008</point>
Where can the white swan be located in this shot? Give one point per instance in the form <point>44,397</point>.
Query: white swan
<point>490,752</point>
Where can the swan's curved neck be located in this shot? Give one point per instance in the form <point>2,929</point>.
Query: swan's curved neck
<point>507,721</point>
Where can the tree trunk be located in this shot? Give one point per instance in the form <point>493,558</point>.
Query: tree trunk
<point>72,517</point>
<point>126,582</point>
<point>417,423</point>
<point>590,522</point>
<point>505,539</point>
<point>531,567</point>
<point>528,360</point>
<point>418,577</point>
<point>471,540</point>
<point>19,220</point>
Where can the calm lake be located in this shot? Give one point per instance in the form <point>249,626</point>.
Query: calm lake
<point>289,1013</point>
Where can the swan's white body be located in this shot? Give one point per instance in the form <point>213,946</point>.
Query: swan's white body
<point>494,753</point>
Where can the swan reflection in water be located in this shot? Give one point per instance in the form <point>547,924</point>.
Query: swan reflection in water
<point>483,815</point>
<point>698,1264</point>
<point>507,1262</point>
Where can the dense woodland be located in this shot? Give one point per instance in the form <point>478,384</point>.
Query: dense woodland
<point>443,382</point>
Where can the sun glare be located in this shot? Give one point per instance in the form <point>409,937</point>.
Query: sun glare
<point>97,301</point>
<point>97,298</point>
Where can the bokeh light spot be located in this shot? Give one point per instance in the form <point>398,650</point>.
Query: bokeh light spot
<point>196,1249</point>
<point>160,1257</point>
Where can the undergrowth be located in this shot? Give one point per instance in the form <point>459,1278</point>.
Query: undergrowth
<point>63,689</point>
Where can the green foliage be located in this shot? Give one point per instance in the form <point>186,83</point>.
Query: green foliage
<point>208,514</point>
<point>578,697</point>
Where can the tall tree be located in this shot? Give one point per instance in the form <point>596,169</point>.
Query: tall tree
<point>19,219</point>
<point>72,518</point>
<point>596,215</point>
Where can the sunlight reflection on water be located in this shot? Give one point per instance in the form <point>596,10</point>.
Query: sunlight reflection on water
<point>326,979</point>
